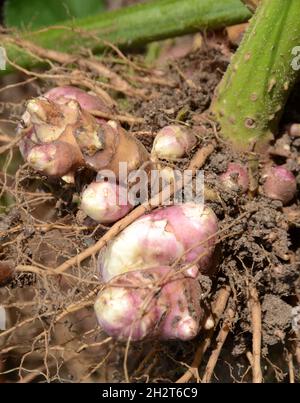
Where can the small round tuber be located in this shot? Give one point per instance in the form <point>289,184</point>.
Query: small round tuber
<point>101,202</point>
<point>279,184</point>
<point>62,116</point>
<point>173,142</point>
<point>236,178</point>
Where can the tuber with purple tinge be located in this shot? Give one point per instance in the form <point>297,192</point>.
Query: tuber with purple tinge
<point>54,159</point>
<point>60,135</point>
<point>183,232</point>
<point>236,178</point>
<point>173,142</point>
<point>279,184</point>
<point>86,101</point>
<point>155,302</point>
<point>150,273</point>
<point>103,203</point>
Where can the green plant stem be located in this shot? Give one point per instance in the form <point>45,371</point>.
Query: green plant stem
<point>252,94</point>
<point>131,26</point>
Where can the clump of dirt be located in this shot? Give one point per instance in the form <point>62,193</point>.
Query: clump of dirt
<point>195,78</point>
<point>276,319</point>
<point>258,252</point>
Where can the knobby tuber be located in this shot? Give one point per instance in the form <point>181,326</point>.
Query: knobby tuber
<point>146,293</point>
<point>60,135</point>
<point>155,302</point>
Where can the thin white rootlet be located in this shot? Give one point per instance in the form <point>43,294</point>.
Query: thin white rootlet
<point>2,58</point>
<point>2,318</point>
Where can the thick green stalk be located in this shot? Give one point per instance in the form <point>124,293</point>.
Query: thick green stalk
<point>133,26</point>
<point>252,94</point>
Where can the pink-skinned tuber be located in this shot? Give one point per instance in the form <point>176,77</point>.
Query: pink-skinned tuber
<point>103,202</point>
<point>152,303</point>
<point>86,101</point>
<point>236,178</point>
<point>279,184</point>
<point>173,142</point>
<point>183,232</point>
<point>151,271</point>
<point>60,124</point>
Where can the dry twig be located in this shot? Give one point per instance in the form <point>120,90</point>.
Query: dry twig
<point>221,338</point>
<point>218,308</point>
<point>255,309</point>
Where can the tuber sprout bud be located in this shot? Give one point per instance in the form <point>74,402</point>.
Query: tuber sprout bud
<point>156,302</point>
<point>173,142</point>
<point>279,184</point>
<point>53,159</point>
<point>101,201</point>
<point>166,235</point>
<point>236,178</point>
<point>50,119</point>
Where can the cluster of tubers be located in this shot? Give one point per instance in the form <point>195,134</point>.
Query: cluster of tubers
<point>150,270</point>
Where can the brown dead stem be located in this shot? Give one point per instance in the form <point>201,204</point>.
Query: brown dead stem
<point>218,308</point>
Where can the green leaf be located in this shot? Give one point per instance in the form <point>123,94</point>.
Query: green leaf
<point>31,14</point>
